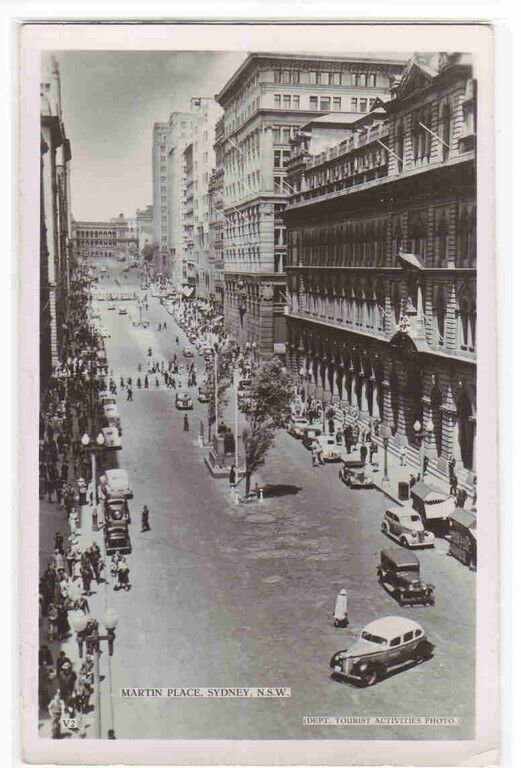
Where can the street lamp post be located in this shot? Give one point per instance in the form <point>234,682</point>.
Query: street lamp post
<point>94,448</point>
<point>306,375</point>
<point>422,434</point>
<point>87,632</point>
<point>385,433</point>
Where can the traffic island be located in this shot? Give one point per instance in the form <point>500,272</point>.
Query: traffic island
<point>221,457</point>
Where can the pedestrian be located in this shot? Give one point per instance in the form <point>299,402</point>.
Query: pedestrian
<point>340,612</point>
<point>138,382</point>
<point>363,452</point>
<point>146,381</point>
<point>425,465</point>
<point>58,542</point>
<point>412,482</point>
<point>232,480</point>
<point>461,498</point>
<point>86,576</point>
<point>186,425</point>
<point>56,709</point>
<point>320,454</point>
<point>157,382</point>
<point>331,424</point>
<point>373,448</point>
<point>403,455</point>
<point>452,469</point>
<point>145,526</point>
<point>129,394</point>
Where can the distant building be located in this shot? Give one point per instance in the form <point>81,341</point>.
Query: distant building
<point>181,232</point>
<point>55,219</point>
<point>264,103</point>
<point>382,261</point>
<point>114,238</point>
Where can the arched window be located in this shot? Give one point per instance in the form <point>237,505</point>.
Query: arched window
<point>445,130</point>
<point>418,232</point>
<point>380,306</point>
<point>397,303</point>
<point>439,310</point>
<point>467,323</point>
<point>441,243</point>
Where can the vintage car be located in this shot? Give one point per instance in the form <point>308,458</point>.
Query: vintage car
<point>117,538</point>
<point>122,310</point>
<point>354,474</point>
<point>390,643</point>
<point>112,416</point>
<point>296,426</point>
<point>116,510</point>
<point>405,526</point>
<point>399,573</point>
<point>183,401</point>
<point>117,484</point>
<point>107,398</point>
<point>112,438</point>
<point>310,434</point>
<point>203,395</point>
<point>331,450</point>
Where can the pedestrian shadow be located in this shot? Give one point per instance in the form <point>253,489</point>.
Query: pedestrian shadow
<point>280,489</point>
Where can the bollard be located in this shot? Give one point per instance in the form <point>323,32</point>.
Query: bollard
<point>200,441</point>
<point>95,518</point>
<point>235,497</point>
<point>261,494</point>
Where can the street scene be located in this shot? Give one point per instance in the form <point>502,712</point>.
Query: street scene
<point>257,423</point>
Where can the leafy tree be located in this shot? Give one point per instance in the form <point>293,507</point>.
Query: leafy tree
<point>270,408</point>
<point>148,252</point>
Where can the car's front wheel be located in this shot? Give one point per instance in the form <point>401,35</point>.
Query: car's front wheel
<point>385,528</point>
<point>369,675</point>
<point>404,542</point>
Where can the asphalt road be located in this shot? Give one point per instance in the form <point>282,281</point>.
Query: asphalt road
<point>229,596</point>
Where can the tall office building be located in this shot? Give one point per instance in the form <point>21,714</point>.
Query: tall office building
<point>264,103</point>
<point>161,260</point>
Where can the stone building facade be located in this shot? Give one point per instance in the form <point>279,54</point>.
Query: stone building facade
<point>382,261</point>
<point>98,239</point>
<point>264,104</point>
<point>55,218</point>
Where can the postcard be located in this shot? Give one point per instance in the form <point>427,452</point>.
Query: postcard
<point>259,488</point>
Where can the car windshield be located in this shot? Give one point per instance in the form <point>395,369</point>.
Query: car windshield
<point>411,518</point>
<point>373,638</point>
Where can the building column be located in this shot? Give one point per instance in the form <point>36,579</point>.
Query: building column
<point>364,405</point>
<point>430,438</point>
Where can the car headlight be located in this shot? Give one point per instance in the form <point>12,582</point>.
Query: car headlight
<point>414,534</point>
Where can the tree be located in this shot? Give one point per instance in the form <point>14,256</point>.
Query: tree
<point>148,252</point>
<point>271,396</point>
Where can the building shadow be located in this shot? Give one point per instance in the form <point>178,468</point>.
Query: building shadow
<point>280,489</point>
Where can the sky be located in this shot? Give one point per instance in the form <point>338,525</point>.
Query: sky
<point>110,101</point>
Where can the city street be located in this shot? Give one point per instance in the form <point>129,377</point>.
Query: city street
<point>243,595</point>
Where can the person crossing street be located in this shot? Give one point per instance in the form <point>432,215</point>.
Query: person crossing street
<point>145,525</point>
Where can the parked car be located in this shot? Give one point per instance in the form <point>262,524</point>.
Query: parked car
<point>405,526</point>
<point>399,573</point>
<point>353,473</point>
<point>104,333</point>
<point>183,401</point>
<point>112,416</point>
<point>112,437</point>
<point>297,425</point>
<point>187,352</point>
<point>107,398</point>
<point>116,510</point>
<point>203,395</point>
<point>331,451</point>
<point>117,538</point>
<point>122,310</point>
<point>117,483</point>
<point>310,434</point>
<point>111,307</point>
<point>390,643</point>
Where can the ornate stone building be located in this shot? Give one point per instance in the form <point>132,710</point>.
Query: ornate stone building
<point>264,103</point>
<point>55,218</point>
<point>382,260</point>
<point>96,239</point>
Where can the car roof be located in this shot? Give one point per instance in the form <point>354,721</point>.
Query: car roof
<point>391,626</point>
<point>402,511</point>
<point>400,557</point>
<point>116,473</point>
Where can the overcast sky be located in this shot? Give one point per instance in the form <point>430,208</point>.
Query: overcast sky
<point>110,102</point>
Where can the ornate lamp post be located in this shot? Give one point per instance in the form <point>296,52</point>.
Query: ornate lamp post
<point>306,375</point>
<point>94,447</point>
<point>87,632</point>
<point>422,434</point>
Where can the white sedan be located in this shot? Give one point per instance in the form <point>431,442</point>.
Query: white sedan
<point>122,310</point>
<point>117,484</point>
<point>112,438</point>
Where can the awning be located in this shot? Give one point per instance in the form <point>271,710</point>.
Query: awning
<point>464,517</point>
<point>426,493</point>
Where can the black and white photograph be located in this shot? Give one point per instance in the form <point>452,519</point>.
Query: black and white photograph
<point>255,294</point>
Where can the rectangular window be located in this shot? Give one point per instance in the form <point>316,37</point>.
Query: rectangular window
<point>371,81</point>
<point>286,100</point>
<point>324,78</point>
<point>278,185</point>
<point>286,132</point>
<point>353,79</point>
<point>313,102</point>
<point>296,102</point>
<point>354,105</point>
<point>295,77</point>
<point>277,158</point>
<point>363,105</point>
<point>276,134</point>
<point>313,78</point>
<point>335,78</point>
<point>362,80</point>
<point>325,103</point>
<point>276,100</point>
<point>285,76</point>
<point>371,104</point>
<point>337,104</point>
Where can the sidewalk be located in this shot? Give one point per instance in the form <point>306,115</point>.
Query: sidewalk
<point>52,520</point>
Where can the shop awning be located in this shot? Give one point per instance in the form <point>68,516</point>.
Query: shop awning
<point>426,493</point>
<point>465,518</point>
